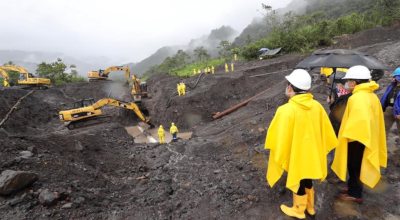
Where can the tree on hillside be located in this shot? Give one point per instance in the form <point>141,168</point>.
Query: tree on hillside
<point>249,39</point>
<point>9,63</point>
<point>181,57</point>
<point>201,54</point>
<point>55,71</point>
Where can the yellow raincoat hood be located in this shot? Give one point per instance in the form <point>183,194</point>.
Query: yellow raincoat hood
<point>363,122</point>
<point>299,138</point>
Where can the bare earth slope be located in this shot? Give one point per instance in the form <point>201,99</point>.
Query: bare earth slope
<point>218,174</point>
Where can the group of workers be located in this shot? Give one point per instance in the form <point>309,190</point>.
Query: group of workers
<point>301,134</point>
<point>227,68</point>
<point>173,130</point>
<point>181,87</point>
<point>207,70</point>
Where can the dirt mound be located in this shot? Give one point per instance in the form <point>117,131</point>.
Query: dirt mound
<point>213,93</point>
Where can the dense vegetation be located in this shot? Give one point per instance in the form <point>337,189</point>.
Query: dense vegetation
<point>305,33</point>
<point>181,64</point>
<point>55,71</point>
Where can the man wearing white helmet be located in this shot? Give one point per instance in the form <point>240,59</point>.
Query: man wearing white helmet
<point>299,138</point>
<point>362,140</point>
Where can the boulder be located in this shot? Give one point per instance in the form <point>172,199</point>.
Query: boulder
<point>26,154</point>
<point>11,181</point>
<point>48,198</point>
<point>32,149</point>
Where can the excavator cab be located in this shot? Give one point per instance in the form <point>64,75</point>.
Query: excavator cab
<point>143,87</point>
<point>84,103</point>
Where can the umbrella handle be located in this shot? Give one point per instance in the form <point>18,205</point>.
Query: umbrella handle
<point>333,81</point>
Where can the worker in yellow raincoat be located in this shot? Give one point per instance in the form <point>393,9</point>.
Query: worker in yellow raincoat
<point>198,71</point>
<point>161,134</point>
<point>194,71</point>
<point>183,88</point>
<point>212,69</point>
<point>299,139</point>
<point>362,139</point>
<point>174,131</point>
<point>178,87</point>
<point>208,70</point>
<point>226,68</point>
<point>232,67</point>
<point>235,57</point>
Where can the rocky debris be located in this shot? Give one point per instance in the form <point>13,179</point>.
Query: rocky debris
<point>67,206</point>
<point>32,149</point>
<point>48,198</point>
<point>11,181</point>
<point>26,154</point>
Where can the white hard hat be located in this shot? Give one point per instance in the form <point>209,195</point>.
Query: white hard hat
<point>358,72</point>
<point>300,79</point>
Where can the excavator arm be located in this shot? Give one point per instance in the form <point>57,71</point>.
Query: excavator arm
<point>103,74</point>
<point>126,105</point>
<point>87,112</point>
<point>27,79</point>
<point>7,79</point>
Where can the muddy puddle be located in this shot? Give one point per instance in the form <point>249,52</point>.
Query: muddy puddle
<point>143,134</point>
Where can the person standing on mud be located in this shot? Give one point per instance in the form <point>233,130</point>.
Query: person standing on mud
<point>174,131</point>
<point>161,134</point>
<point>183,88</point>
<point>178,87</point>
<point>299,138</point>
<point>362,141</point>
<point>390,102</point>
<point>337,106</point>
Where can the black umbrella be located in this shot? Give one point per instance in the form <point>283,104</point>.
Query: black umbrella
<point>340,59</point>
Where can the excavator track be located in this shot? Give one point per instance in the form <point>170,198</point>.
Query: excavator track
<point>100,80</point>
<point>34,87</point>
<point>88,122</point>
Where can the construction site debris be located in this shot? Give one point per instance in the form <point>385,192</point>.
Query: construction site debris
<point>11,181</point>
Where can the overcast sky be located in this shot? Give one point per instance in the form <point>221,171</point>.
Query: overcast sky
<point>123,30</point>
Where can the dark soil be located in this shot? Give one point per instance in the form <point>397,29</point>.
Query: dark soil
<point>218,174</point>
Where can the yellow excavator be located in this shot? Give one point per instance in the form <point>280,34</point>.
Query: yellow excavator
<point>88,112</point>
<point>139,89</point>
<point>25,78</point>
<point>95,76</point>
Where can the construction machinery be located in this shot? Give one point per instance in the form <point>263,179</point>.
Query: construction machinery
<point>25,78</point>
<point>139,89</point>
<point>7,79</point>
<point>101,75</point>
<point>88,112</point>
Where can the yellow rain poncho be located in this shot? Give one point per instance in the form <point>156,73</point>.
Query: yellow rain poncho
<point>173,129</point>
<point>178,87</point>
<point>300,137</point>
<point>161,134</point>
<point>363,122</point>
<point>183,88</point>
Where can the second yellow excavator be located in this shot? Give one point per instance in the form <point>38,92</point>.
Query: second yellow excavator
<point>87,112</point>
<point>139,89</point>
<point>103,74</point>
<point>25,78</point>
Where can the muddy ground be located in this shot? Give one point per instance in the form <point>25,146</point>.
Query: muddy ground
<point>218,174</point>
